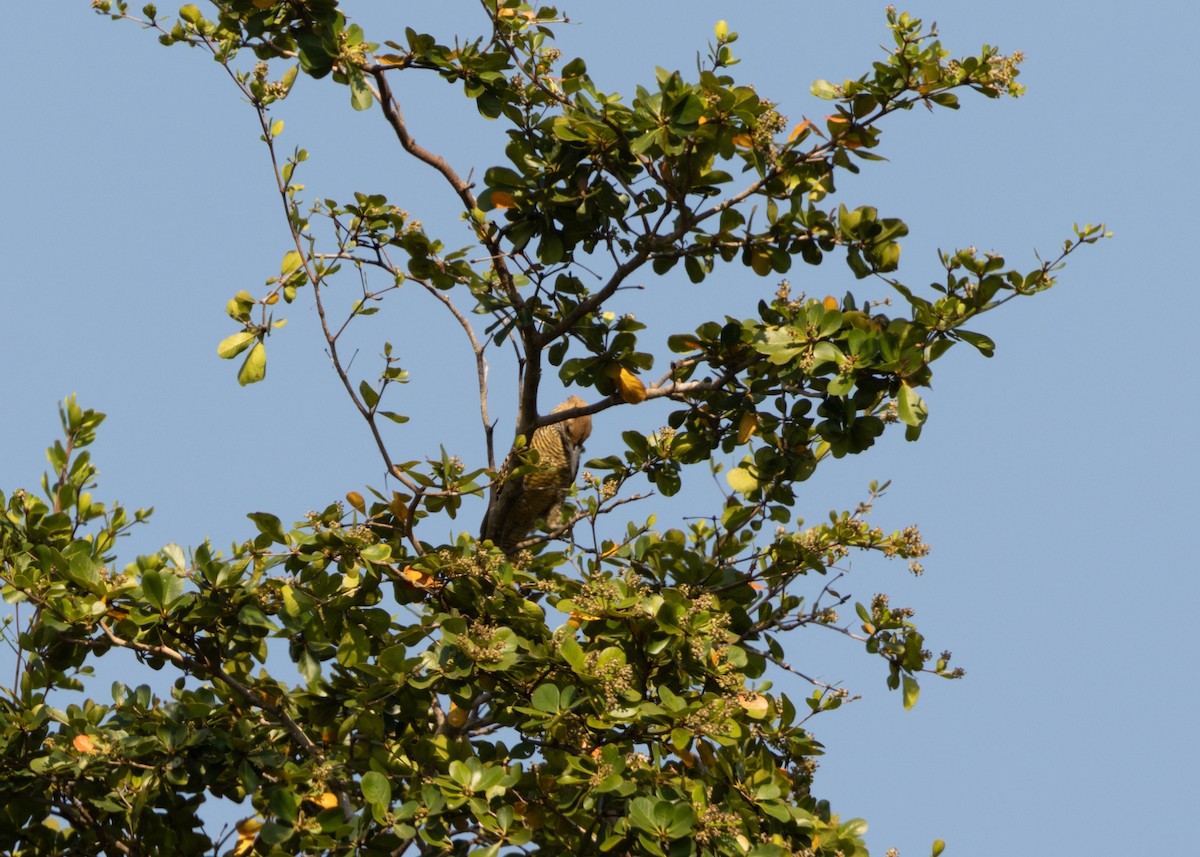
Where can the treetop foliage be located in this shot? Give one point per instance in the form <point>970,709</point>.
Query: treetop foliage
<point>586,683</point>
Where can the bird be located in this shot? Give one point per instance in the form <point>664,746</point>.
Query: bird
<point>524,501</point>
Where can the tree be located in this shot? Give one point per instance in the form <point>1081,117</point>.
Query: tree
<point>556,678</point>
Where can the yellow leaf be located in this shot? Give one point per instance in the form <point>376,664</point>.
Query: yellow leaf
<point>84,744</point>
<point>743,140</point>
<point>760,261</point>
<point>740,479</point>
<point>457,717</point>
<point>356,500</point>
<point>234,344</point>
<point>747,426</point>
<point>703,120</point>
<point>326,800</point>
<point>272,299</point>
<point>630,387</point>
<point>254,369</point>
<point>390,59</point>
<point>830,303</point>
<point>247,830</point>
<point>291,262</point>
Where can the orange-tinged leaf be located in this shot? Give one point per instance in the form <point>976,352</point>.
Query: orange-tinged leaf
<point>743,140</point>
<point>754,704</point>
<point>630,386</point>
<point>830,303</point>
<point>503,199</point>
<point>356,500</point>
<point>417,577</point>
<point>326,800</point>
<point>397,507</point>
<point>272,299</point>
<point>84,744</point>
<point>747,426</point>
<point>703,120</point>
<point>754,584</point>
<point>391,59</point>
<point>576,619</point>
<point>800,131</point>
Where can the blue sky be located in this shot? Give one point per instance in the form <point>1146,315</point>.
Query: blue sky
<point>1053,481</point>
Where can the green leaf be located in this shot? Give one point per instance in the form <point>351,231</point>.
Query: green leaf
<point>985,345</point>
<point>376,789</point>
<point>269,525</point>
<point>369,395</point>
<point>161,589</point>
<point>284,804</point>
<point>546,698</point>
<point>824,89</point>
<point>911,691</point>
<point>573,653</point>
<point>361,97</point>
<point>911,407</point>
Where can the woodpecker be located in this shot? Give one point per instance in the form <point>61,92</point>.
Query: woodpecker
<point>525,501</point>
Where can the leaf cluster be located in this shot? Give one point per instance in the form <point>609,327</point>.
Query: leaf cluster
<point>610,686</point>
